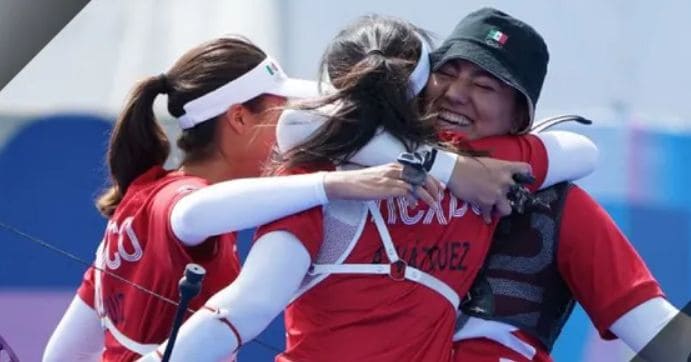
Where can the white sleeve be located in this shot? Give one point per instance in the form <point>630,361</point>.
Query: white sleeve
<point>295,126</point>
<point>243,203</point>
<point>639,325</point>
<point>570,155</point>
<point>269,279</point>
<point>78,336</point>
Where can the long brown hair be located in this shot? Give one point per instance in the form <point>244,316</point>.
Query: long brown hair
<point>138,143</point>
<point>369,64</point>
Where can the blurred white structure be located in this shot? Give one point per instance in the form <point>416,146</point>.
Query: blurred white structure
<point>611,60</point>
<point>95,60</point>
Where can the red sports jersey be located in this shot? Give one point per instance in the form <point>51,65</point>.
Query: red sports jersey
<point>374,318</point>
<point>142,248</point>
<point>599,265</point>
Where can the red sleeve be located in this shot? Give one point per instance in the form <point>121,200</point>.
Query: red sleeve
<point>86,289</point>
<point>307,226</point>
<point>600,266</point>
<point>168,196</point>
<point>525,148</point>
<point>162,207</point>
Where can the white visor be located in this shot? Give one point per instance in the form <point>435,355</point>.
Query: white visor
<point>267,77</point>
<point>419,76</point>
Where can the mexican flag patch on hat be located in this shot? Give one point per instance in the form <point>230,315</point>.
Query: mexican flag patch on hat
<point>497,36</point>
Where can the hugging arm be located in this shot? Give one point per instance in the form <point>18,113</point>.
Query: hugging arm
<point>270,277</point>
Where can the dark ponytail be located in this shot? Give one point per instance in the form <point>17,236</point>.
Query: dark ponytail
<point>369,64</point>
<point>137,142</point>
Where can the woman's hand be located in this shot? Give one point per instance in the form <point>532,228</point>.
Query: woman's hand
<point>485,182</point>
<point>379,182</point>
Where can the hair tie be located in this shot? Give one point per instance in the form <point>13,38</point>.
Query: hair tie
<point>164,86</point>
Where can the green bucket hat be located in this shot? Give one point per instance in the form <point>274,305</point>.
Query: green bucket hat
<point>504,46</point>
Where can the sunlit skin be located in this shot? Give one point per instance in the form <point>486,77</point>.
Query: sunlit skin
<point>252,134</point>
<point>243,143</point>
<point>469,100</point>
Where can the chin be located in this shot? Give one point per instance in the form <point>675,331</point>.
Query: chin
<point>471,137</point>
<point>465,132</point>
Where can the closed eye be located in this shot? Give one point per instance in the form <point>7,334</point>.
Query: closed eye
<point>485,86</point>
<point>447,71</point>
<point>487,82</point>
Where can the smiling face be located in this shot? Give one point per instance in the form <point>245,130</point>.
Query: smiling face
<point>470,100</point>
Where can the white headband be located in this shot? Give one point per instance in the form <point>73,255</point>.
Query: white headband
<point>418,78</point>
<point>267,77</point>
